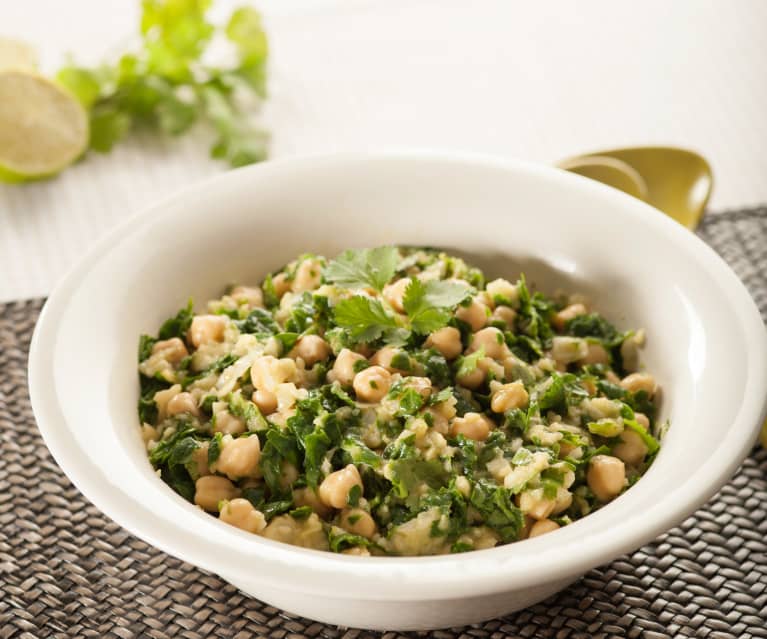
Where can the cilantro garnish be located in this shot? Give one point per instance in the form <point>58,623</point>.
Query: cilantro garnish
<point>165,86</point>
<point>365,268</point>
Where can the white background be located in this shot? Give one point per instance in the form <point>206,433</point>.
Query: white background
<point>538,81</point>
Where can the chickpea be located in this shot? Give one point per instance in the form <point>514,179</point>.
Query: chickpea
<point>639,382</point>
<point>308,497</point>
<point>207,328</point>
<point>372,384</point>
<point>359,551</point>
<point>239,457</point>
<point>472,380</point>
<point>503,289</point>
<point>642,420</point>
<point>308,276</point>
<point>268,371</point>
<point>226,423</point>
<point>248,295</point>
<point>504,314</point>
<point>601,408</point>
<point>509,396</point>
<point>343,368</point>
<point>211,489</point>
<point>566,449</point>
<point>288,474</point>
<point>589,386</point>
<point>420,384</point>
<point>439,423</point>
<point>631,449</point>
<point>472,426</point>
<point>394,292</point>
<point>281,284</point>
<point>307,533</point>
<point>447,341</point>
<point>334,489</point>
<point>475,314</point>
<point>242,514</point>
<point>182,403</point>
<point>173,350</point>
<point>563,501</point>
<point>491,340</point>
<point>447,408</point>
<point>463,485</point>
<point>596,354</point>
<point>358,522</point>
<point>566,314</point>
<point>149,433</point>
<point>162,399</point>
<point>566,350</point>
<point>265,400</point>
<point>542,527</point>
<point>311,349</point>
<point>533,503</point>
<point>606,476</point>
<point>385,356</point>
<point>200,460</point>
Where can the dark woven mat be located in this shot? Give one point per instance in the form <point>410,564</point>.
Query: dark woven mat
<point>68,571</point>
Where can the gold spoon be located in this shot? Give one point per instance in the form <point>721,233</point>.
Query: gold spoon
<point>676,181</point>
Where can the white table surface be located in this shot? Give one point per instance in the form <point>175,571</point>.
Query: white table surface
<point>538,81</point>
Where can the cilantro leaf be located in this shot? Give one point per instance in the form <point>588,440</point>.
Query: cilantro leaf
<point>178,326</point>
<point>359,453</point>
<point>339,540</point>
<point>164,84</point>
<point>247,411</point>
<point>467,364</point>
<point>259,322</point>
<point>550,394</point>
<point>407,474</point>
<point>594,325</point>
<point>428,304</point>
<point>364,268</point>
<point>245,30</point>
<point>145,344</point>
<point>365,318</point>
<point>496,505</point>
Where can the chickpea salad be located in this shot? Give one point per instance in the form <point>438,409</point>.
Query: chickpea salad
<point>393,402</point>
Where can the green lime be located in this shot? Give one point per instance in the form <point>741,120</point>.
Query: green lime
<point>16,55</point>
<point>43,128</point>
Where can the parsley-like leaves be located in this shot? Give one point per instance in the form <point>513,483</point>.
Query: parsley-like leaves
<point>365,268</point>
<point>165,85</point>
<point>365,318</point>
<point>428,304</point>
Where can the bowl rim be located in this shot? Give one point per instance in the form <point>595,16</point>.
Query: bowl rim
<point>398,577</point>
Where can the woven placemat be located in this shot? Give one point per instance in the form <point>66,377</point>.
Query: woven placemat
<point>68,571</point>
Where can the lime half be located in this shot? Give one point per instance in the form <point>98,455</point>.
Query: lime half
<point>43,128</point>
<point>18,55</point>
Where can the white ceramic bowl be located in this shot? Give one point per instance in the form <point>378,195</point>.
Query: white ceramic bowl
<point>707,347</point>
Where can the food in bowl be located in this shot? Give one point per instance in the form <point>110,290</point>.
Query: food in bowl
<point>393,402</point>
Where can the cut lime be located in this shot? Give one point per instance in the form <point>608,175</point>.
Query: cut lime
<point>17,55</point>
<point>43,128</point>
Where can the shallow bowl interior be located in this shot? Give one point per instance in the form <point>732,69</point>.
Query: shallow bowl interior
<point>706,345</point>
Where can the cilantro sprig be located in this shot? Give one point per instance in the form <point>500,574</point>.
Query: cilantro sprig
<point>365,318</point>
<point>166,86</point>
<point>366,268</point>
<point>428,304</point>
